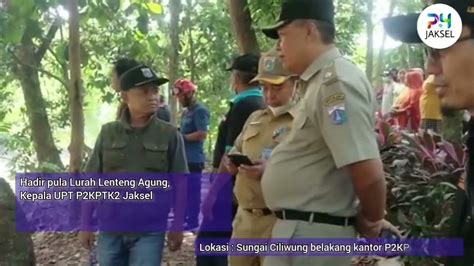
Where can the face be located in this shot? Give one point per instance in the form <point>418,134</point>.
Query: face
<point>402,76</point>
<point>184,99</point>
<point>142,100</point>
<point>293,43</point>
<point>278,95</point>
<point>454,71</point>
<point>233,80</point>
<point>393,75</point>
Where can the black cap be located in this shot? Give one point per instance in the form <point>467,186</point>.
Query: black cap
<point>246,63</point>
<point>139,76</point>
<point>404,28</point>
<point>322,10</point>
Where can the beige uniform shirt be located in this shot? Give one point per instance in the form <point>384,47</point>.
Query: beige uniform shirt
<point>334,127</point>
<point>261,134</point>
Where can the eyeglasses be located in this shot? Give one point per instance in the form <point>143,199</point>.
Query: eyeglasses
<point>436,53</point>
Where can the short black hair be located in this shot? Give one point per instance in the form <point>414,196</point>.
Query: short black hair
<point>326,29</point>
<point>122,65</point>
<point>246,77</point>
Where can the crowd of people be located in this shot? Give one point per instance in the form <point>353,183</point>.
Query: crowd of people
<point>409,100</point>
<point>304,117</point>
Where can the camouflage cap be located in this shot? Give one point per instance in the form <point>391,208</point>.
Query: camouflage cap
<point>271,70</point>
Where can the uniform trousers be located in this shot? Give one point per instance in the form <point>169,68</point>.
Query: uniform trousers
<point>301,229</point>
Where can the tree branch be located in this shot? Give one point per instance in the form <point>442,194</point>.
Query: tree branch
<point>46,72</point>
<point>39,54</point>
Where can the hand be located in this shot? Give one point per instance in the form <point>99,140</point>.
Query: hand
<point>368,228</point>
<point>232,168</point>
<point>175,239</point>
<point>253,171</point>
<point>86,239</point>
<point>208,205</point>
<point>386,225</point>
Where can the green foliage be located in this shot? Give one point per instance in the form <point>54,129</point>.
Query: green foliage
<point>422,171</point>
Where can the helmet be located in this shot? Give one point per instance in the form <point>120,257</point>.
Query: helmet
<point>184,86</point>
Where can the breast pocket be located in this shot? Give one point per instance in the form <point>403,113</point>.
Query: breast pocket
<point>251,132</point>
<point>156,157</point>
<point>114,157</point>
<point>305,132</point>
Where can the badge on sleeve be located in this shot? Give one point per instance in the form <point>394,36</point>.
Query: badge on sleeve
<point>337,113</point>
<point>335,105</point>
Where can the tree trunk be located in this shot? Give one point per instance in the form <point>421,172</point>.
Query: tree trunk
<point>173,64</point>
<point>189,26</point>
<point>380,64</point>
<point>16,247</point>
<point>370,42</point>
<point>408,48</point>
<point>242,24</point>
<point>76,95</point>
<point>26,67</point>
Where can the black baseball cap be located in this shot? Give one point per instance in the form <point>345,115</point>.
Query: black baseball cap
<point>404,28</point>
<point>139,76</point>
<point>321,10</point>
<point>246,63</point>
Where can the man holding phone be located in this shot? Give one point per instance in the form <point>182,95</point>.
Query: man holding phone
<point>262,132</point>
<point>248,99</point>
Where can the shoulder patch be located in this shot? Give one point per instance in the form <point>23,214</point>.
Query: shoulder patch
<point>337,114</point>
<point>334,99</point>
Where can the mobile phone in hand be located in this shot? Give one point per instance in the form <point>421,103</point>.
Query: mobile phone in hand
<point>238,159</point>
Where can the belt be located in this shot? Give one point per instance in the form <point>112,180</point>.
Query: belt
<point>315,217</point>
<point>260,212</point>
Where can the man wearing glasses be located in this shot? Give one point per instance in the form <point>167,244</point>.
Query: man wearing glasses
<point>453,69</point>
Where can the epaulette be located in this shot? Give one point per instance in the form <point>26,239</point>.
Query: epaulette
<point>329,74</point>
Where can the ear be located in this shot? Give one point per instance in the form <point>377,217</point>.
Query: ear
<point>313,31</point>
<point>123,95</point>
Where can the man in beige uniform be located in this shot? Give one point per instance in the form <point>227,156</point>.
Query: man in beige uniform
<point>330,161</point>
<point>262,132</point>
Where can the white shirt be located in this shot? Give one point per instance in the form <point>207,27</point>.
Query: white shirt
<point>387,97</point>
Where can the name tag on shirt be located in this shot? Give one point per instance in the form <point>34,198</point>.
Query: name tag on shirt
<point>266,153</point>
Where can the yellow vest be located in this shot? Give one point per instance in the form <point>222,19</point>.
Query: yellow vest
<point>430,105</point>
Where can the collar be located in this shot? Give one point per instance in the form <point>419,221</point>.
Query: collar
<point>320,62</point>
<point>253,91</point>
<point>291,110</point>
<point>125,120</point>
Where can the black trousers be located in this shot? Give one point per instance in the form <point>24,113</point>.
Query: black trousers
<point>194,194</point>
<point>214,260</point>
